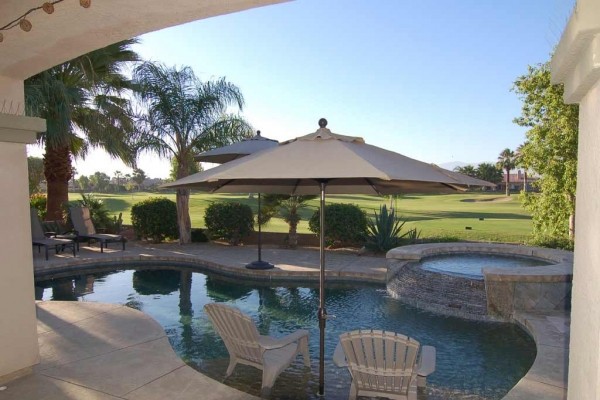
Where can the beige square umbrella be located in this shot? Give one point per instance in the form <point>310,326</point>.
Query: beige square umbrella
<point>232,152</point>
<point>324,162</point>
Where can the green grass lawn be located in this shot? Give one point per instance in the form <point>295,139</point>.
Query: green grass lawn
<point>436,216</point>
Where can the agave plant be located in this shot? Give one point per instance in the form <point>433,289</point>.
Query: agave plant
<point>384,231</point>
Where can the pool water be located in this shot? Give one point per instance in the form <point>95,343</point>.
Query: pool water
<point>475,360</point>
<point>470,265</point>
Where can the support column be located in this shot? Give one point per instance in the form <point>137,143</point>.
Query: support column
<point>18,333</point>
<point>575,64</point>
<point>584,360</point>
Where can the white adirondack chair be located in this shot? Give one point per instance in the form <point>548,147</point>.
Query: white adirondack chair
<point>246,346</point>
<point>382,364</point>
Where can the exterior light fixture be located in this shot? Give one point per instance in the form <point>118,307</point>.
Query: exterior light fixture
<point>48,8</point>
<point>25,25</point>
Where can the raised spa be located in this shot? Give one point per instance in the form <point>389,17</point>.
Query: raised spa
<point>475,360</point>
<point>471,264</point>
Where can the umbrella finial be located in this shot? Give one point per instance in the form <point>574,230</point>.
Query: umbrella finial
<point>257,133</point>
<point>322,123</point>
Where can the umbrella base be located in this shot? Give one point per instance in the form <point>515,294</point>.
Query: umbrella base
<point>260,265</point>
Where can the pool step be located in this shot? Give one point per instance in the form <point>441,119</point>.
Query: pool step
<point>438,292</point>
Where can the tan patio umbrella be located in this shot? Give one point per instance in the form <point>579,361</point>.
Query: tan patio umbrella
<point>237,150</point>
<point>324,162</point>
<point>232,152</point>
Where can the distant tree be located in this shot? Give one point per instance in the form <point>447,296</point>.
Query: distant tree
<point>128,183</point>
<point>183,116</point>
<point>489,172</point>
<point>467,170</point>
<point>550,150</point>
<point>506,161</point>
<point>118,176</point>
<point>139,176</point>
<point>84,183</point>
<point>100,181</point>
<point>520,163</point>
<point>35,166</point>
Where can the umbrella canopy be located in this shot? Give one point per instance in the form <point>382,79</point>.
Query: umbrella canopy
<point>237,150</point>
<point>233,152</point>
<point>325,162</point>
<point>347,164</point>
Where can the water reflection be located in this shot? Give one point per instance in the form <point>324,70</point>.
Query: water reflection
<point>153,281</point>
<point>474,360</point>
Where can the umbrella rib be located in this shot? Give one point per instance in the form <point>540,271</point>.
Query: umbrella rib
<point>221,186</point>
<point>295,187</point>
<point>370,182</point>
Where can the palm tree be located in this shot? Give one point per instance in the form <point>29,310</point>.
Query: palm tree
<point>118,176</point>
<point>80,102</point>
<point>520,162</point>
<point>184,116</point>
<point>489,172</point>
<point>467,170</point>
<point>289,208</point>
<point>139,176</point>
<point>506,161</point>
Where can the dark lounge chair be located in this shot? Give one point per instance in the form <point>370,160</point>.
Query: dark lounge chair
<point>39,238</point>
<point>84,229</point>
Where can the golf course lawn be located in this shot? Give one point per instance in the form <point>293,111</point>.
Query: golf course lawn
<point>491,216</point>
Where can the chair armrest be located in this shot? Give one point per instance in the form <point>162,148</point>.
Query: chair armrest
<point>49,234</point>
<point>269,343</point>
<point>426,364</point>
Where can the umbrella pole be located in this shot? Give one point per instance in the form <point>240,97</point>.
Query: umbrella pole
<point>259,231</point>
<point>322,313</point>
<point>259,264</point>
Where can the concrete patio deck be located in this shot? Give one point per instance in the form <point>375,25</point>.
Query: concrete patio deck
<point>97,351</point>
<point>101,351</point>
<point>228,260</point>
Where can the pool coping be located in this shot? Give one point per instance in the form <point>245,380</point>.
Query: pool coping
<point>546,380</point>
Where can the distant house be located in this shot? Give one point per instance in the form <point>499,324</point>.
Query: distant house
<point>517,181</point>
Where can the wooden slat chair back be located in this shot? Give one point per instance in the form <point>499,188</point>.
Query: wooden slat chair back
<point>381,363</point>
<point>238,333</point>
<point>82,221</point>
<point>246,346</point>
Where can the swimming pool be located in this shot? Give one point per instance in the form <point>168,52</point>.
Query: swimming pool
<point>475,360</point>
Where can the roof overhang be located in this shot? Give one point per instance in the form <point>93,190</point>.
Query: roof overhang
<point>73,30</point>
<point>576,61</point>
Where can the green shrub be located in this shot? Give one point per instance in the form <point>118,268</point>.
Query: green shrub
<point>198,236</point>
<point>155,219</point>
<point>553,242</point>
<point>38,201</point>
<point>230,221</point>
<point>344,223</point>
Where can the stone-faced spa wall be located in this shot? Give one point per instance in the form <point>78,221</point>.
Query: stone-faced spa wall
<point>503,291</point>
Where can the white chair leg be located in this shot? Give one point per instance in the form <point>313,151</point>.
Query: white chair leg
<point>231,367</point>
<point>268,380</point>
<point>353,392</point>
<point>303,346</point>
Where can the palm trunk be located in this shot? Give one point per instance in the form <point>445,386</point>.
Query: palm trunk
<point>293,235</point>
<point>507,182</point>
<point>58,171</point>
<point>572,219</point>
<point>183,216</point>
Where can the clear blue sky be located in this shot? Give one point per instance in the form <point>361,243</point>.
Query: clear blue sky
<point>430,79</point>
